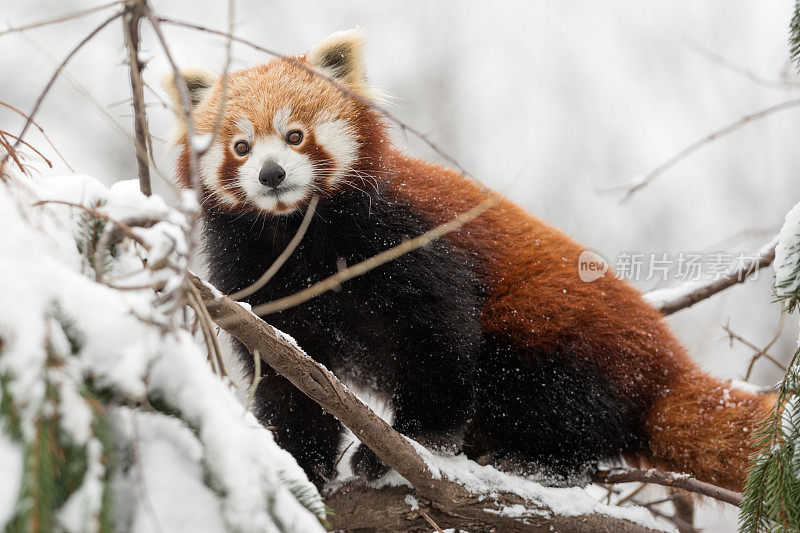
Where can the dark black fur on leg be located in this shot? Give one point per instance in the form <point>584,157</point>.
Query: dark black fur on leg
<point>279,405</point>
<point>366,464</point>
<point>553,409</point>
<point>409,328</point>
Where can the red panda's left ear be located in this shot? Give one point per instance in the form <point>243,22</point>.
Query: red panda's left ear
<point>341,56</point>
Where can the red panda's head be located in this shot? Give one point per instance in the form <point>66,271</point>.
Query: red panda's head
<point>285,133</point>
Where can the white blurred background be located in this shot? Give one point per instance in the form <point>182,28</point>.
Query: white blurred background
<point>547,101</point>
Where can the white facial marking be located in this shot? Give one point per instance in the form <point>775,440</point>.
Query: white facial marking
<point>336,136</point>
<point>208,167</point>
<point>281,119</point>
<point>339,140</point>
<point>299,170</point>
<point>246,128</point>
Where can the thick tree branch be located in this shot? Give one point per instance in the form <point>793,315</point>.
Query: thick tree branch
<point>360,507</point>
<point>448,503</point>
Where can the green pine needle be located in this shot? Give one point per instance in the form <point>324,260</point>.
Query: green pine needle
<point>794,35</point>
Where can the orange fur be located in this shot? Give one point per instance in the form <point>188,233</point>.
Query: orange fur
<point>536,300</point>
<point>694,423</point>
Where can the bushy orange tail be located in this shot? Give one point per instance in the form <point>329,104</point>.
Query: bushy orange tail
<point>703,427</point>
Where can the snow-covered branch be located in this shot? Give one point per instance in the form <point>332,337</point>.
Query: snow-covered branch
<point>674,299</point>
<point>454,492</point>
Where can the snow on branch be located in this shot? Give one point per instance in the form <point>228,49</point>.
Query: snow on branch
<point>674,299</point>
<point>135,429</point>
<point>452,491</point>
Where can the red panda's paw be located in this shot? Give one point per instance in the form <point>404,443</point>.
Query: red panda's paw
<point>366,464</point>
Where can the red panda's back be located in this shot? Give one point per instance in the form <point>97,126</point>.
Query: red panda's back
<point>536,296</point>
<point>537,302</point>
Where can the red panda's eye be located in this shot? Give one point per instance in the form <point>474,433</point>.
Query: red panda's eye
<point>294,137</point>
<point>242,148</point>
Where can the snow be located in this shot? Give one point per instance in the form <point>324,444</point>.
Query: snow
<point>288,339</point>
<point>745,386</point>
<point>221,472</point>
<point>11,468</point>
<point>565,501</point>
<point>787,256</point>
<point>81,510</point>
<point>412,502</point>
<point>518,511</point>
<point>660,297</point>
<point>169,469</point>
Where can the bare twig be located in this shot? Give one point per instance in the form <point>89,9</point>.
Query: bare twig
<point>53,78</point>
<point>191,209</point>
<point>195,303</point>
<point>26,143</point>
<point>759,352</point>
<point>205,323</point>
<point>61,18</point>
<point>669,301</point>
<point>251,394</point>
<point>637,184</point>
<point>127,229</point>
<point>632,494</point>
<point>680,523</point>
<point>11,153</point>
<point>111,121</point>
<point>365,266</point>
<point>225,80</point>
<point>41,130</point>
<point>429,520</point>
<point>186,105</point>
<point>341,455</point>
<point>134,11</point>
<point>773,340</point>
<point>668,479</point>
<point>287,252</point>
<point>405,127</point>
<point>784,84</point>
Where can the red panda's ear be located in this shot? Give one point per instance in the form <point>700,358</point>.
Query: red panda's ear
<point>198,80</point>
<point>341,56</point>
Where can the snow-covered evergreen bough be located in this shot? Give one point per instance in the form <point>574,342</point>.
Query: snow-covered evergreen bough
<point>485,341</point>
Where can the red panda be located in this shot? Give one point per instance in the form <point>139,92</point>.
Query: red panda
<point>486,341</point>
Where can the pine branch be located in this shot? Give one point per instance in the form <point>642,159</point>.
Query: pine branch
<point>794,35</point>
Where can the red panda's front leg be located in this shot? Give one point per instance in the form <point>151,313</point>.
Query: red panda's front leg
<point>432,403</point>
<point>299,426</point>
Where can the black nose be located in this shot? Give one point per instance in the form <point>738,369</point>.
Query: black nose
<point>272,174</point>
